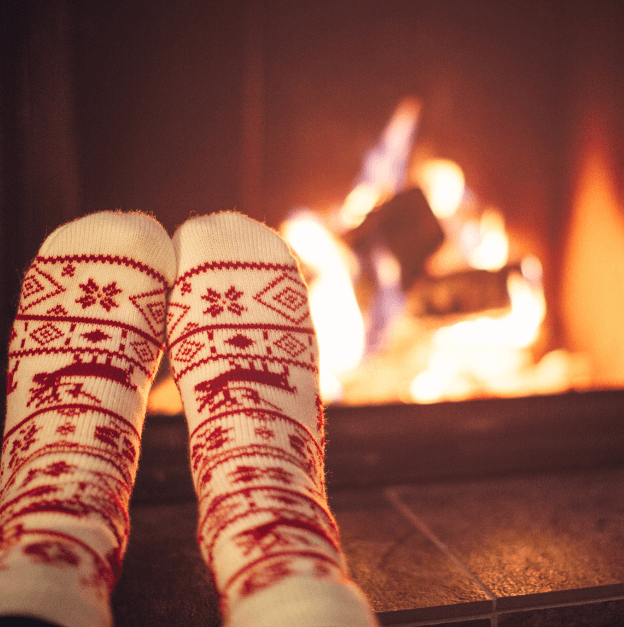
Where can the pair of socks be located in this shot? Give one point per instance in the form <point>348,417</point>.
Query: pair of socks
<point>96,306</point>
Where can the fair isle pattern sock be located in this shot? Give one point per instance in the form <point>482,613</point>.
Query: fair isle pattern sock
<point>244,355</point>
<point>83,351</point>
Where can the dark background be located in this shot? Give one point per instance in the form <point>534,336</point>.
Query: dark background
<point>192,107</point>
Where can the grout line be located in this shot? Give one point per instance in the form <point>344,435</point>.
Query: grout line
<point>445,621</point>
<point>493,616</point>
<point>393,497</point>
<point>551,606</point>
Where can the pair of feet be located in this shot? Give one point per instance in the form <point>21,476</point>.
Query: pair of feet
<point>94,309</point>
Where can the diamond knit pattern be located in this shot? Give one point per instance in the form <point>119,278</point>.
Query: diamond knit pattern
<point>85,345</point>
<point>244,355</point>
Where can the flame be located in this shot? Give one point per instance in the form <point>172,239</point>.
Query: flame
<point>333,305</point>
<point>518,328</point>
<point>486,245</point>
<point>164,398</point>
<point>383,173</point>
<point>442,182</point>
<point>362,199</point>
<point>485,355</point>
<point>335,313</point>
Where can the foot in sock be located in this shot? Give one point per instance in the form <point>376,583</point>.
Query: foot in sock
<point>83,351</point>
<point>244,355</point>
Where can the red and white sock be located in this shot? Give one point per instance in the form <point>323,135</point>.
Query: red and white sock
<point>244,355</point>
<point>83,351</point>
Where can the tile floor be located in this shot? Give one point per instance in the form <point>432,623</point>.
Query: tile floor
<point>542,548</point>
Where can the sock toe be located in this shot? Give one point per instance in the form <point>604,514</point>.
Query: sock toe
<point>116,233</point>
<point>228,235</point>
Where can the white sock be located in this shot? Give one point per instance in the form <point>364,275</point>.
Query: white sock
<point>84,348</point>
<point>244,355</point>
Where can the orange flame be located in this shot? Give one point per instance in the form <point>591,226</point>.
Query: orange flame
<point>443,184</point>
<point>333,306</point>
<point>487,244</point>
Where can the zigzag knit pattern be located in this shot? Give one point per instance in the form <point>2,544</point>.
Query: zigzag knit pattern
<point>244,354</point>
<point>84,348</point>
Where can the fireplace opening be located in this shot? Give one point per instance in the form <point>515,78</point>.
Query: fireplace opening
<point>420,292</point>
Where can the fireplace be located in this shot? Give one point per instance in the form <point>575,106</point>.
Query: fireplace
<point>282,112</point>
<point>515,290</point>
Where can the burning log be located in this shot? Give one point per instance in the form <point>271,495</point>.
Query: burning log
<point>462,292</point>
<point>406,226</point>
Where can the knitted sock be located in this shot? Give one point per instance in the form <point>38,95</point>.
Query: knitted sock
<point>244,355</point>
<point>84,348</point>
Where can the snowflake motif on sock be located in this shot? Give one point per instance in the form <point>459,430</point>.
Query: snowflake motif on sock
<point>219,303</point>
<point>93,294</point>
<point>69,270</point>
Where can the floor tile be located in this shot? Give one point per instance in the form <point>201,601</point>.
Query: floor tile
<point>531,534</point>
<point>397,567</point>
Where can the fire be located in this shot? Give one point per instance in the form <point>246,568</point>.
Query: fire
<point>486,354</point>
<point>481,355</point>
<point>384,170</point>
<point>437,357</point>
<point>443,184</point>
<point>487,245</point>
<point>335,313</point>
